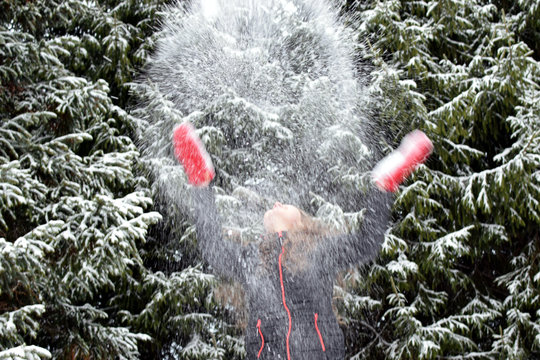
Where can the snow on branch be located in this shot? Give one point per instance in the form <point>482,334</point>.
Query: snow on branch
<point>452,243</point>
<point>25,353</point>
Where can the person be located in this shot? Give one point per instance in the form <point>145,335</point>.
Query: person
<point>288,275</point>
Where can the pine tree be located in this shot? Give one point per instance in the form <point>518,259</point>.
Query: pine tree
<point>458,275</point>
<point>74,212</point>
<point>85,272</point>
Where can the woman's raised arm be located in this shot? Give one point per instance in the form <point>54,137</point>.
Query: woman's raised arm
<point>226,257</point>
<point>363,246</point>
<point>338,252</point>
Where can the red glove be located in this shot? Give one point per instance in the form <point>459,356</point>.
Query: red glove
<point>394,168</point>
<point>190,151</point>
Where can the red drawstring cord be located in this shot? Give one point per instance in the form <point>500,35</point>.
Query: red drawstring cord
<point>318,332</point>
<point>262,338</point>
<point>283,297</point>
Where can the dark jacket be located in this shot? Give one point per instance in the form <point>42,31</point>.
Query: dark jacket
<point>290,312</point>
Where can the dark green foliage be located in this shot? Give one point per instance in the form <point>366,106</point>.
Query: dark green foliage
<point>458,277</point>
<point>87,273</point>
<point>73,210</point>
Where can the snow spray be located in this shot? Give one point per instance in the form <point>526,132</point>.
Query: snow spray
<point>278,100</point>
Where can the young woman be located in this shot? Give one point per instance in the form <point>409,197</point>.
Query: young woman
<point>288,275</point>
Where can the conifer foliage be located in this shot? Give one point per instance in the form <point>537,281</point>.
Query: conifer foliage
<point>73,211</point>
<point>459,276</point>
<point>88,270</point>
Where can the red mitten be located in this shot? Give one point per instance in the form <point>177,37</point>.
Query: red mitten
<point>190,151</point>
<point>393,169</point>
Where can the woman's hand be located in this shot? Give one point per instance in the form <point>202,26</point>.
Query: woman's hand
<point>207,179</point>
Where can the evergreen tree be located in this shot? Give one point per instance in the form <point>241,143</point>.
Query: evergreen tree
<point>458,277</point>
<point>86,270</point>
<point>73,210</point>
